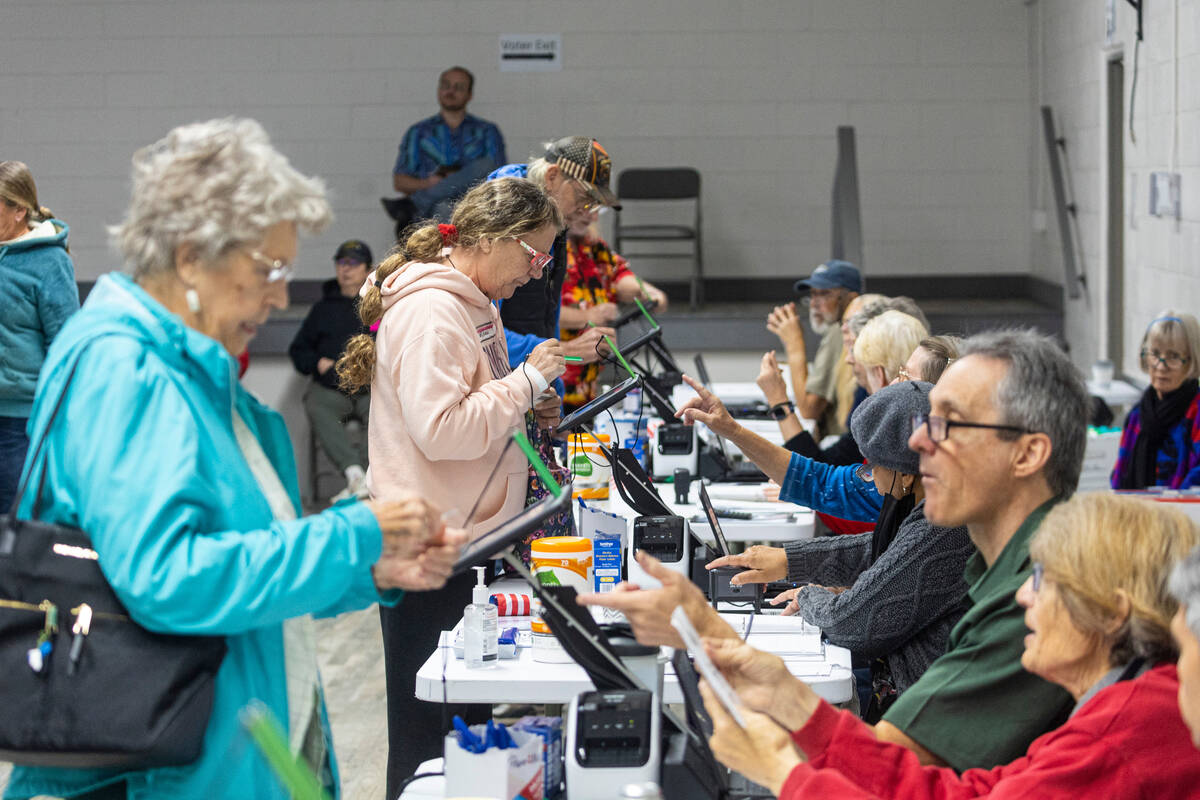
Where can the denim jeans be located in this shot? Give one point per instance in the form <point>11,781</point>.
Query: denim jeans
<point>438,201</point>
<point>13,444</point>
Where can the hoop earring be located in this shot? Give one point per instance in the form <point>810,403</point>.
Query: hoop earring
<point>193,300</point>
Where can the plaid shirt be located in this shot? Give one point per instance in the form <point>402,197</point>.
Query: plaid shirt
<point>1177,465</point>
<point>431,144</point>
<point>593,270</point>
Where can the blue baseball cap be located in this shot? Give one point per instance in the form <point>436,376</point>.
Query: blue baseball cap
<point>833,274</point>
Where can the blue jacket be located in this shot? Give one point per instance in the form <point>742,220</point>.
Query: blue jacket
<point>37,294</point>
<point>836,491</point>
<point>143,458</point>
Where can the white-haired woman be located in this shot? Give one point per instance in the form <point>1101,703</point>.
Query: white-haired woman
<point>1160,444</point>
<point>185,483</point>
<point>885,345</point>
<point>37,294</point>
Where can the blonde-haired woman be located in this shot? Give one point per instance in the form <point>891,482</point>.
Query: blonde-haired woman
<point>1160,443</point>
<point>884,346</point>
<point>1099,613</point>
<point>444,402</point>
<point>37,294</point>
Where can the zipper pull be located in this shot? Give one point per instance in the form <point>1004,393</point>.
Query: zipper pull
<point>37,655</point>
<point>80,630</point>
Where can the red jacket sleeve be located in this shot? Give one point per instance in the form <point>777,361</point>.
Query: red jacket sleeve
<point>847,761</point>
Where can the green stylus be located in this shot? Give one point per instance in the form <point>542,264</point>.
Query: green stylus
<point>613,346</point>
<point>573,359</point>
<point>645,312</point>
<point>536,462</point>
<point>294,774</point>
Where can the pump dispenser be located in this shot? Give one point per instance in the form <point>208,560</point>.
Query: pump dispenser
<point>481,629</point>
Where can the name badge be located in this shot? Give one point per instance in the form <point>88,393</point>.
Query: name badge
<point>486,332</point>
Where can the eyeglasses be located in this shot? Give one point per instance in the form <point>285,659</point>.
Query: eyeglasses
<point>902,375</point>
<point>1039,573</point>
<point>348,263</point>
<point>277,270</point>
<point>537,259</point>
<point>583,198</point>
<point>938,428</point>
<point>864,472</point>
<point>1169,359</point>
<point>818,296</point>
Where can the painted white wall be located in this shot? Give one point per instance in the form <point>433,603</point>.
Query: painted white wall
<point>1161,256</point>
<point>748,91</point>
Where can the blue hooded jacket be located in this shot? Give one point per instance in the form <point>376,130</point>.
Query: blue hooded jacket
<point>37,294</point>
<point>142,456</point>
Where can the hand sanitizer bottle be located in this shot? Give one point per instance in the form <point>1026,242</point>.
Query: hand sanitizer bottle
<point>481,629</point>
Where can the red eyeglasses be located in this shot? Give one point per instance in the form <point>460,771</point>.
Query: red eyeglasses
<point>537,259</point>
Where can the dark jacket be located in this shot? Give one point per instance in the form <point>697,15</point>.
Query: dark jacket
<point>329,325</point>
<point>902,607</point>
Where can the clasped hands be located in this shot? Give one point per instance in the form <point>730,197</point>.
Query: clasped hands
<point>419,551</point>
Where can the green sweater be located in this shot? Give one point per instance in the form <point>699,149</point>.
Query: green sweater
<point>976,706</point>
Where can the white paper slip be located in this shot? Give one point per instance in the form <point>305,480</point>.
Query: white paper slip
<point>705,666</point>
<point>768,623</point>
<point>802,646</point>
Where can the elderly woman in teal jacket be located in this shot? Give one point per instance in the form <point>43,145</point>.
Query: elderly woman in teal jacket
<point>186,484</point>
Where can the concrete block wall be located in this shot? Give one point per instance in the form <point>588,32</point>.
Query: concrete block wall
<point>1162,256</point>
<point>748,91</point>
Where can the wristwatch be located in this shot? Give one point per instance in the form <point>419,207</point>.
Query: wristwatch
<point>780,411</point>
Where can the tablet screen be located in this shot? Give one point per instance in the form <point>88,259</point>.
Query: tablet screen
<point>587,413</point>
<point>713,522</point>
<point>511,532</point>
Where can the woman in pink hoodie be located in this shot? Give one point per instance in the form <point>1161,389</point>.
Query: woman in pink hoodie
<point>444,402</point>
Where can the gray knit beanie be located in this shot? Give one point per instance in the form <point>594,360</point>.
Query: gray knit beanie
<point>882,424</point>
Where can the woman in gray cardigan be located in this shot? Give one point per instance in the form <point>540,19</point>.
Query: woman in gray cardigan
<point>890,596</point>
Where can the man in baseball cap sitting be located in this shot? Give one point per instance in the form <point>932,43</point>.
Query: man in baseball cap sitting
<point>827,292</point>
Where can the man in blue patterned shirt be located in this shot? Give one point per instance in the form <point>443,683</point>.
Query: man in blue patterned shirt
<point>443,156</point>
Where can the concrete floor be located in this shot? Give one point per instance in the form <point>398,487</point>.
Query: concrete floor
<point>350,650</point>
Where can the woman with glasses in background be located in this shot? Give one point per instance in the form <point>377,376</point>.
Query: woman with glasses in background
<point>1160,444</point>
<point>186,484</point>
<point>445,402</point>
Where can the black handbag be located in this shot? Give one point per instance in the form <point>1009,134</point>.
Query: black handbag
<point>81,684</point>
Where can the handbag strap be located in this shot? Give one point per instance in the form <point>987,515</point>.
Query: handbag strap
<point>41,441</point>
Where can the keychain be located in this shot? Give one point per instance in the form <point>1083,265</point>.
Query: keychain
<point>38,655</point>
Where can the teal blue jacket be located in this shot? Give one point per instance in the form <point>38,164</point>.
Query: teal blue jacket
<point>143,458</point>
<point>37,294</point>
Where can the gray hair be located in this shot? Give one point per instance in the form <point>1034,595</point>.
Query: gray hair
<point>1043,392</point>
<point>1175,326</point>
<point>537,167</point>
<point>213,185</point>
<point>888,340</point>
<point>1185,586</point>
<point>905,305</point>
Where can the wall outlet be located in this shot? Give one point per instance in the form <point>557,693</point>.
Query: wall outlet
<point>1165,194</point>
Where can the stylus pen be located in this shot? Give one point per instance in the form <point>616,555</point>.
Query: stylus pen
<point>645,312</point>
<point>293,773</point>
<point>613,346</point>
<point>536,462</point>
<point>573,359</point>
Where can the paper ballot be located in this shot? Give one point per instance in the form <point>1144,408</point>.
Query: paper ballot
<point>705,666</point>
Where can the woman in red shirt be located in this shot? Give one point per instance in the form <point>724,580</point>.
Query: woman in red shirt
<point>1100,615</point>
